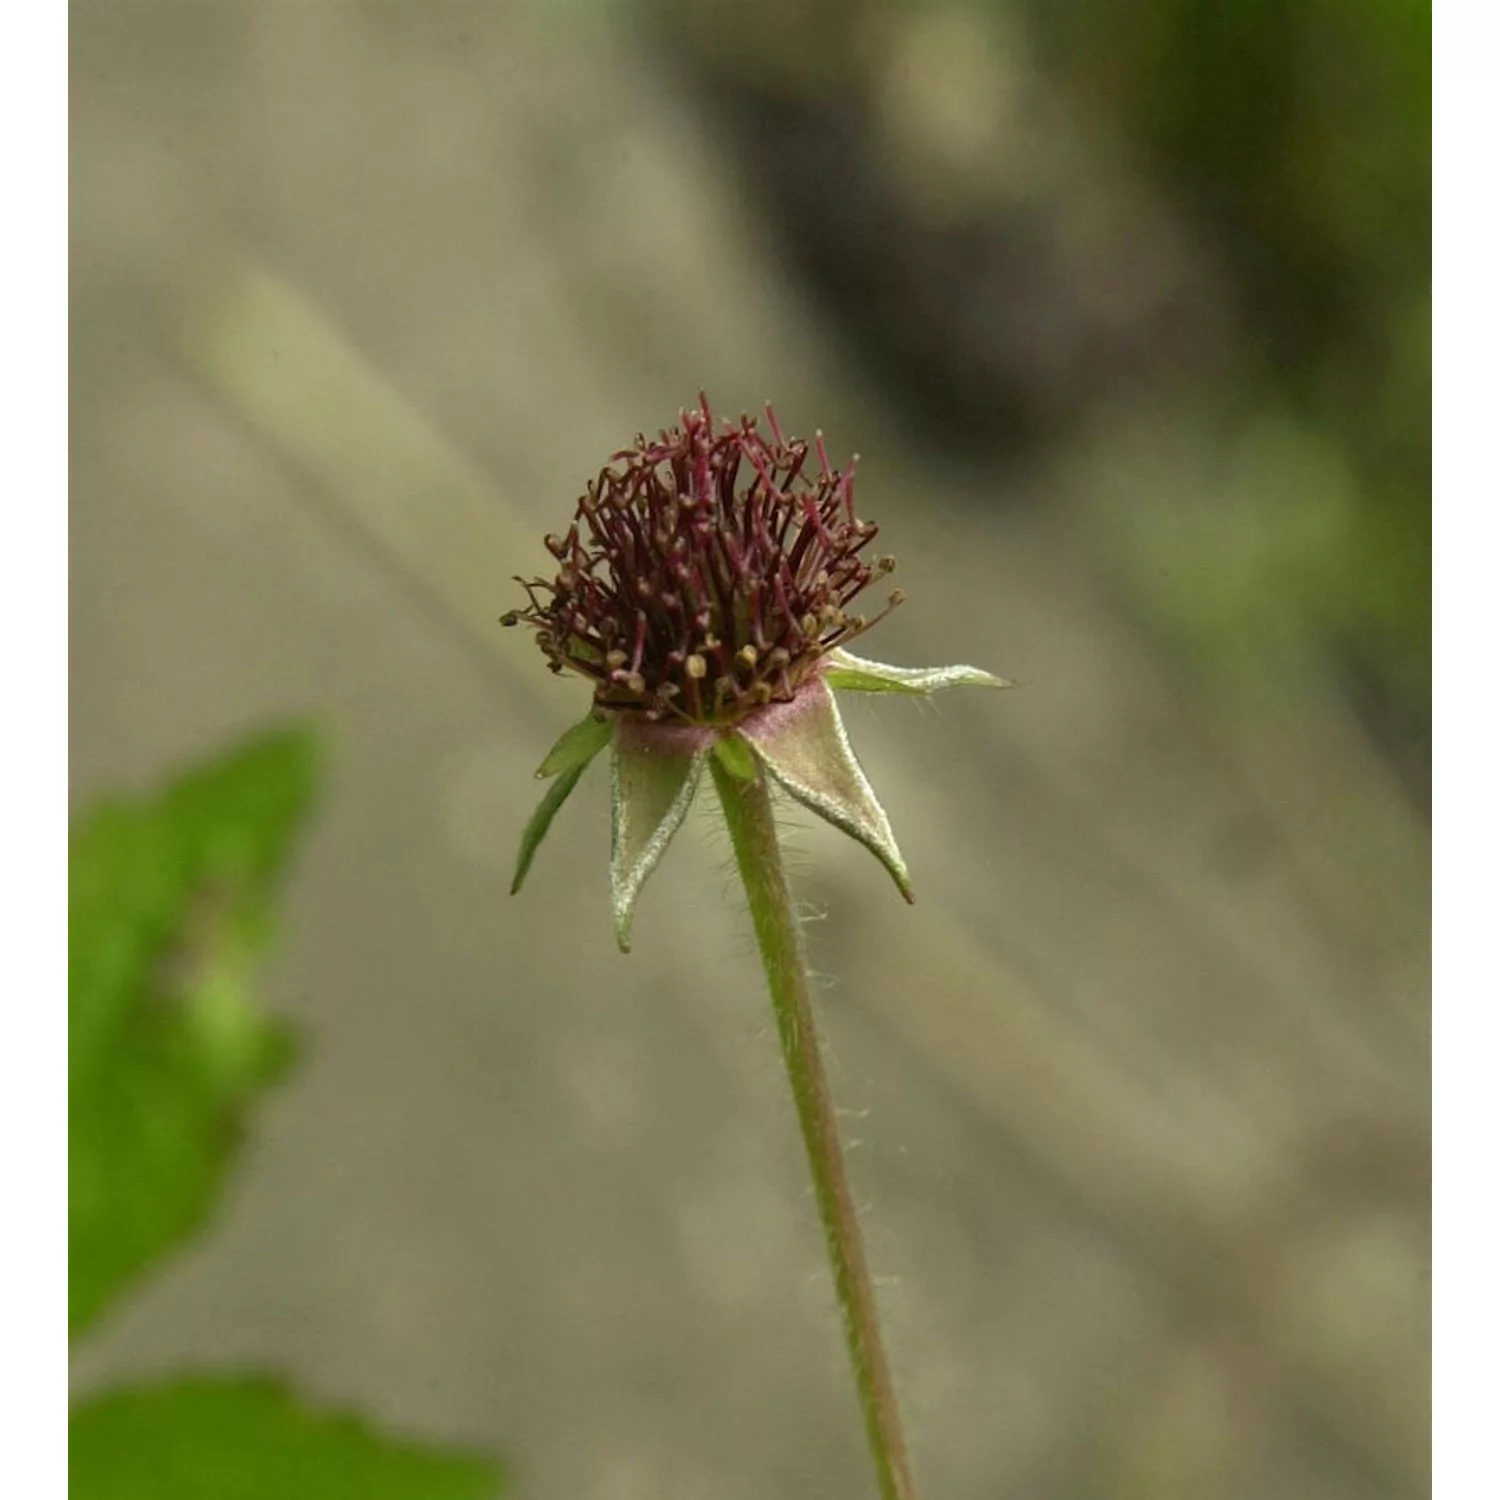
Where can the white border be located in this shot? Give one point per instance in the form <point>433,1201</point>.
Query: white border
<point>1466,748</point>
<point>33,627</point>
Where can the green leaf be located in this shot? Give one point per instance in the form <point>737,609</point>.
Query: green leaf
<point>803,746</point>
<point>237,1439</point>
<point>577,747</point>
<point>656,771</point>
<point>855,674</point>
<point>541,821</point>
<point>166,913</point>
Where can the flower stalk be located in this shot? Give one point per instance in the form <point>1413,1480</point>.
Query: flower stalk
<point>704,591</point>
<point>751,817</point>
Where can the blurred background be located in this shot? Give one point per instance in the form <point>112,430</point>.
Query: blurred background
<point>1125,307</point>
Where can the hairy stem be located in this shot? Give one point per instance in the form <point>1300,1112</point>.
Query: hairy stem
<point>752,829</point>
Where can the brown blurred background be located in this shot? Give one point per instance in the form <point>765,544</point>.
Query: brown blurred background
<point>1125,307</point>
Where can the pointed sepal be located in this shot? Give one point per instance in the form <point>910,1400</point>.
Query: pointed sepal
<point>853,673</point>
<point>541,821</point>
<point>656,772</point>
<point>576,747</point>
<point>804,749</point>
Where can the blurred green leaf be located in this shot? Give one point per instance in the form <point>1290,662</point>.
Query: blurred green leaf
<point>166,913</point>
<point>249,1440</point>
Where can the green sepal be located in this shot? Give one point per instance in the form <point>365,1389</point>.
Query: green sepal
<point>735,756</point>
<point>541,821</point>
<point>803,746</point>
<point>656,772</point>
<point>855,674</point>
<point>576,747</point>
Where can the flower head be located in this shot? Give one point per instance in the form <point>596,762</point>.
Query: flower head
<point>707,572</point>
<point>703,588</point>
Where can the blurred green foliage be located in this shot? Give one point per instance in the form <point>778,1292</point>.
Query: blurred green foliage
<point>169,902</point>
<point>166,910</point>
<point>249,1440</point>
<point>1297,133</point>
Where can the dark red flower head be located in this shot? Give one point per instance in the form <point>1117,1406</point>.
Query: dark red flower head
<point>705,572</point>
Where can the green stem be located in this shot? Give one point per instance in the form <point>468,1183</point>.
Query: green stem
<point>752,829</point>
